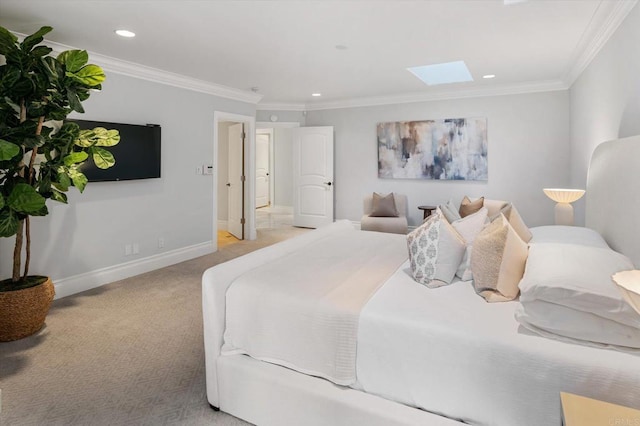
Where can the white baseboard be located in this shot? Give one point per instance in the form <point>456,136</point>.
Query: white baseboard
<point>88,280</point>
<point>223,225</point>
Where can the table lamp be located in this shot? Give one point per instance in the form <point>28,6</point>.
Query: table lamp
<point>564,198</point>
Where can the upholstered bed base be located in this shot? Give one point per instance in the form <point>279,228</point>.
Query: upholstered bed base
<point>266,394</point>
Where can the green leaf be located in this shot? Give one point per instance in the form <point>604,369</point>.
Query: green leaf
<point>106,137</point>
<point>30,41</point>
<point>74,59</point>
<point>75,157</point>
<point>1,201</point>
<point>25,199</point>
<point>59,196</point>
<point>64,182</point>
<point>89,75</point>
<point>43,211</point>
<point>74,101</point>
<point>41,51</point>
<point>7,41</point>
<point>102,158</point>
<point>79,180</point>
<point>8,222</point>
<point>8,150</point>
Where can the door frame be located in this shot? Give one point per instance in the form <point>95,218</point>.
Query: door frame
<point>249,167</point>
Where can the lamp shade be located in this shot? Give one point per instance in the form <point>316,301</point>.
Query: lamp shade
<point>560,195</point>
<point>629,284</point>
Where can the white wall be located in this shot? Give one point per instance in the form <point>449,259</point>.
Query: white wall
<point>528,150</point>
<point>605,99</point>
<point>283,116</point>
<point>91,232</point>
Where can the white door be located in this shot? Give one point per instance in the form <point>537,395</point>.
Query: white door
<point>234,181</point>
<point>262,170</point>
<point>312,176</point>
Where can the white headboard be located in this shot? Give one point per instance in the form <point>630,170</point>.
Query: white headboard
<point>613,195</point>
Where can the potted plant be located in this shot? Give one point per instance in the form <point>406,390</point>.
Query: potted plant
<point>40,158</point>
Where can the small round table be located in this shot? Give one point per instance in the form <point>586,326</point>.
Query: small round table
<point>427,211</point>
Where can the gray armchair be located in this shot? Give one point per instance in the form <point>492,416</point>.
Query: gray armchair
<point>394,225</point>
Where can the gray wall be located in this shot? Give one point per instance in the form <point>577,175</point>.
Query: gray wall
<point>605,100</point>
<point>528,150</point>
<point>283,116</point>
<point>283,156</point>
<point>91,232</point>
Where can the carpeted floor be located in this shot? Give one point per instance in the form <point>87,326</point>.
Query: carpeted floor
<point>128,353</point>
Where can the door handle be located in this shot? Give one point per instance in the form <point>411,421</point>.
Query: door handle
<point>228,184</point>
<point>328,183</point>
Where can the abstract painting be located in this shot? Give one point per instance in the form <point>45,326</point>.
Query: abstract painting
<point>449,149</point>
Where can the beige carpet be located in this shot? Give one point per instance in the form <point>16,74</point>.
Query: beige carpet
<point>128,353</point>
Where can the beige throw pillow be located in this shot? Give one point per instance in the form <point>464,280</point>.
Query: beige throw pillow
<point>515,220</point>
<point>383,206</point>
<point>468,207</point>
<point>435,251</point>
<point>498,260</point>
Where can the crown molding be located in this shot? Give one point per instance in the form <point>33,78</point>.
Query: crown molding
<point>143,72</point>
<point>604,23</point>
<point>281,106</point>
<point>460,93</point>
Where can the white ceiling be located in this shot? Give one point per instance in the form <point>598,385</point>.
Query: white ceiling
<point>288,48</point>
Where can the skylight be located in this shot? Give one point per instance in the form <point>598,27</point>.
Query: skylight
<point>449,72</point>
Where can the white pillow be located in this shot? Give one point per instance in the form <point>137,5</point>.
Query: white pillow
<point>435,251</point>
<point>468,227</point>
<point>567,235</point>
<point>578,277</point>
<point>560,322</point>
<point>450,211</point>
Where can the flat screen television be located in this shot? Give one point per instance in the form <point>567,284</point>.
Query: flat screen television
<point>137,155</point>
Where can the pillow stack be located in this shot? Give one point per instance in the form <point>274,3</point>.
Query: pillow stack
<point>483,240</point>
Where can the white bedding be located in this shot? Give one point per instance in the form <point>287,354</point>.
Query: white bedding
<point>447,351</point>
<point>301,310</point>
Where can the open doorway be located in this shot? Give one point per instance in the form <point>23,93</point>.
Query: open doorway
<point>234,195</point>
<point>278,212</point>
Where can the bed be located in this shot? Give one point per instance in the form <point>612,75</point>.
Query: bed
<point>424,356</point>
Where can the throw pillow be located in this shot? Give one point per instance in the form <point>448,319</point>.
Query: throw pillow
<point>515,220</point>
<point>468,207</point>
<point>435,251</point>
<point>450,211</point>
<point>498,260</point>
<point>494,206</point>
<point>383,206</point>
<point>468,228</point>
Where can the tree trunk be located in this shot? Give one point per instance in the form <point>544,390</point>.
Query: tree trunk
<point>31,172</point>
<point>17,253</point>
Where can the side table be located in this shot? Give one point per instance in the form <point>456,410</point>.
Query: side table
<point>427,211</point>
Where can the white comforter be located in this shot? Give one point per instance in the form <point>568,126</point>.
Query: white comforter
<point>448,351</point>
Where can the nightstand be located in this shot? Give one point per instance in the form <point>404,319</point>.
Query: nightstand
<point>427,211</point>
<point>582,411</point>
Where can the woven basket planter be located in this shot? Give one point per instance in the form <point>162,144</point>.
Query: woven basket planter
<point>22,312</point>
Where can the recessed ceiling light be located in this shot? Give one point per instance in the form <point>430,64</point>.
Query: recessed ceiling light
<point>489,76</point>
<point>448,72</point>
<point>316,94</point>
<point>125,33</point>
<point>341,47</point>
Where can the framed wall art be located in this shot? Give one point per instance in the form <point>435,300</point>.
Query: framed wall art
<point>445,149</point>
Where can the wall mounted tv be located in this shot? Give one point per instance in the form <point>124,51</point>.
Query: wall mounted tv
<point>137,155</point>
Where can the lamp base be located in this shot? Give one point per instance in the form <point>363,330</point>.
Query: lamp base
<point>564,214</point>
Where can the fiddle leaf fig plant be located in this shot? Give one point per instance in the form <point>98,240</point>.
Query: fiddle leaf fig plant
<point>40,153</point>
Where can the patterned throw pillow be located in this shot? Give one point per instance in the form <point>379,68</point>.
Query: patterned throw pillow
<point>435,251</point>
<point>498,260</point>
